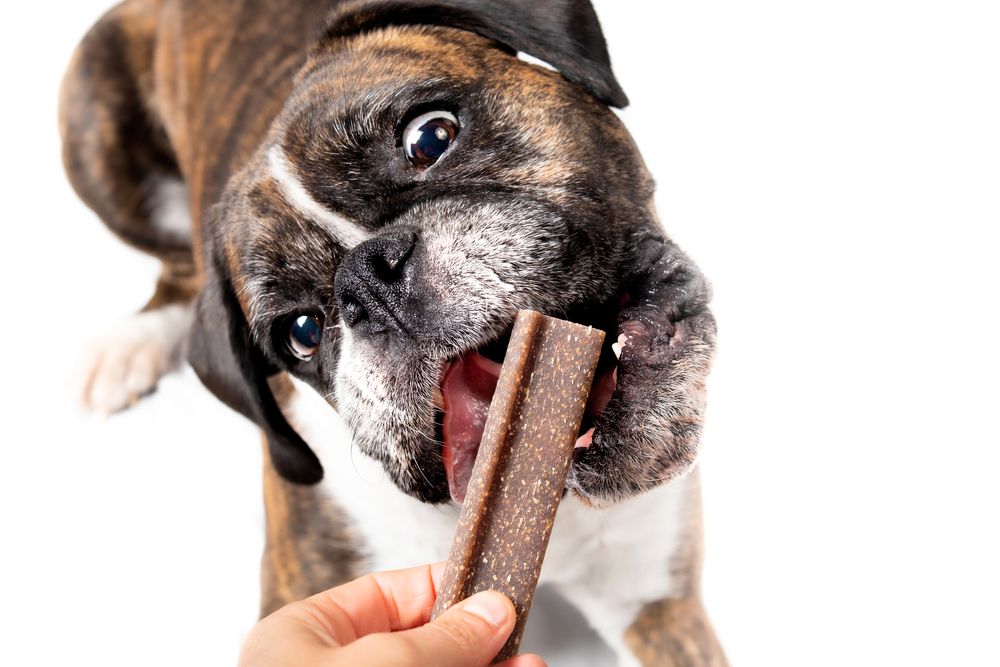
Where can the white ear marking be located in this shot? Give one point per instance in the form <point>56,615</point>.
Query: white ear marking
<point>521,55</point>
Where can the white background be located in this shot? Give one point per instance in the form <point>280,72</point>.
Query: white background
<point>833,168</point>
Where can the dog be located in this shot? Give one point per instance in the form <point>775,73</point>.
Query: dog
<point>351,201</point>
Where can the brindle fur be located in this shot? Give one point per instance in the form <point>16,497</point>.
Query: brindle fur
<point>191,90</point>
<point>309,545</point>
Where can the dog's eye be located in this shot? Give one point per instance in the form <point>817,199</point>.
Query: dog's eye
<point>428,136</point>
<point>304,336</point>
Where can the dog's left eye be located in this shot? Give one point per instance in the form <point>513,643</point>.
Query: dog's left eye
<point>428,136</point>
<point>305,335</point>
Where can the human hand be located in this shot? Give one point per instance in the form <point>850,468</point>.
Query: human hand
<point>381,620</point>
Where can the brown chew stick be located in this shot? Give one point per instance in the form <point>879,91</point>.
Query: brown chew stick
<point>520,470</point>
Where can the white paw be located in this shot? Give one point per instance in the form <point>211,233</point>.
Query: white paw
<point>126,362</point>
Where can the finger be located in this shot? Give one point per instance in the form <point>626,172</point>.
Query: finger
<point>304,632</point>
<point>408,595</point>
<point>469,634</point>
<point>382,602</point>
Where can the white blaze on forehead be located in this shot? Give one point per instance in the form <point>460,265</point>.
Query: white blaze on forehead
<point>344,231</point>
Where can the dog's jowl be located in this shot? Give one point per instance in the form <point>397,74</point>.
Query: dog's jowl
<point>351,201</point>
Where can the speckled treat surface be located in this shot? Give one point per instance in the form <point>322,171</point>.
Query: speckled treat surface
<point>520,470</point>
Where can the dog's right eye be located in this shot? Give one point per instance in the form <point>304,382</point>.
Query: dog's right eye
<point>304,336</point>
<point>428,136</point>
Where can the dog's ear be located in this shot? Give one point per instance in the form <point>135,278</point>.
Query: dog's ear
<point>232,366</point>
<point>564,33</point>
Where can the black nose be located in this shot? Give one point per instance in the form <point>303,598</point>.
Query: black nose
<point>373,284</point>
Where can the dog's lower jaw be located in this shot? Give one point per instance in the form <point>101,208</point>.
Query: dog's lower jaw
<point>659,450</point>
<point>650,431</point>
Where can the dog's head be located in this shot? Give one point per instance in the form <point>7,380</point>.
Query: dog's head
<point>420,186</point>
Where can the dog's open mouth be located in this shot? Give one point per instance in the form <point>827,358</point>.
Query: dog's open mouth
<point>467,387</point>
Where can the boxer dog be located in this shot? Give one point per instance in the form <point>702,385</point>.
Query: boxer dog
<point>351,200</point>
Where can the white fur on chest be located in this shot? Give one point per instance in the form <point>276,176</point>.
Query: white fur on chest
<point>396,530</point>
<point>608,562</point>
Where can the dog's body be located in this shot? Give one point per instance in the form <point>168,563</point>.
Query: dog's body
<point>351,201</point>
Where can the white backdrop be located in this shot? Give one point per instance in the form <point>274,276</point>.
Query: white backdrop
<point>832,167</point>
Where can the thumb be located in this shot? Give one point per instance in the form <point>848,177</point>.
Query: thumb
<point>469,634</point>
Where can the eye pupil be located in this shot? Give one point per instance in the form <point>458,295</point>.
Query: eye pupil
<point>428,136</point>
<point>307,331</point>
<point>431,141</point>
<point>305,335</point>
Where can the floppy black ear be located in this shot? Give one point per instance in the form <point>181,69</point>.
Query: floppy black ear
<point>233,368</point>
<point>564,33</point>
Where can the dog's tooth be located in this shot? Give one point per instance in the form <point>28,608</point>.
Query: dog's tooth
<point>521,467</point>
<point>437,398</point>
<point>617,346</point>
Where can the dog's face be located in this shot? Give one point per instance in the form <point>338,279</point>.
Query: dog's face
<point>421,186</point>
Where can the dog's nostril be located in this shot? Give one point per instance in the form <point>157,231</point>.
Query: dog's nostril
<point>387,262</point>
<point>388,269</point>
<point>395,257</point>
<point>352,311</point>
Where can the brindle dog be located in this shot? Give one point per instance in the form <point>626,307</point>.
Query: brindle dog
<point>351,200</point>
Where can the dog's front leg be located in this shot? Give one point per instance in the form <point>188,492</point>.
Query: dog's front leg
<point>308,548</point>
<point>120,161</point>
<point>674,632</point>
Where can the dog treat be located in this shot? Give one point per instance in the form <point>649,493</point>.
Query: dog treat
<point>521,467</point>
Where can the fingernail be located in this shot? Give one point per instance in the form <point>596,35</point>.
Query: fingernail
<point>488,605</point>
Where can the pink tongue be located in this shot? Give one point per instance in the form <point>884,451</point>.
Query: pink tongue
<point>468,389</point>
